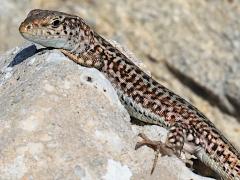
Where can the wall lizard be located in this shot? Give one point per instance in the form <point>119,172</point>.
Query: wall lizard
<point>144,98</point>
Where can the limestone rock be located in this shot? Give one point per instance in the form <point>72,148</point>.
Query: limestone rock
<point>59,120</point>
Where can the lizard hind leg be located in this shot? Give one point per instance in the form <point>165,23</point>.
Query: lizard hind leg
<point>176,138</point>
<point>172,146</point>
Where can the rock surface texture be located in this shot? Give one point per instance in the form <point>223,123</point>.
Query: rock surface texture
<point>59,120</point>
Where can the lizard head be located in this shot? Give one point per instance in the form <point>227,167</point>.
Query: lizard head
<point>52,29</point>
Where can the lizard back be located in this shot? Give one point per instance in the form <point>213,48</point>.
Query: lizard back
<point>143,97</point>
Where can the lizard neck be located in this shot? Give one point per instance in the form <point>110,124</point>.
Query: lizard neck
<point>90,51</point>
<point>94,51</point>
<point>83,39</point>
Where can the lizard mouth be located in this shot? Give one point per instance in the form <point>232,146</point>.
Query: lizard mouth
<point>31,33</point>
<point>37,35</point>
<point>32,37</point>
<point>52,41</point>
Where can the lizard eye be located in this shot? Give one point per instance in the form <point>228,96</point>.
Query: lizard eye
<point>56,23</point>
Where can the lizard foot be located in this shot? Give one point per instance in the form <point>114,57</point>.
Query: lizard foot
<point>158,146</point>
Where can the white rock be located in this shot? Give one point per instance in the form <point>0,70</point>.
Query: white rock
<point>56,124</point>
<point>116,171</point>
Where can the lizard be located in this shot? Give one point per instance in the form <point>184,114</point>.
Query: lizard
<point>145,99</point>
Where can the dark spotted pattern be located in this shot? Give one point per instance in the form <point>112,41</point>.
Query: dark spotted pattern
<point>144,97</point>
<point>183,119</point>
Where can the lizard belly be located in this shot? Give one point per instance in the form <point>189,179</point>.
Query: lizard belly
<point>137,111</point>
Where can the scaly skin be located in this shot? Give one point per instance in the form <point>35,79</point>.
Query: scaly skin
<point>144,98</point>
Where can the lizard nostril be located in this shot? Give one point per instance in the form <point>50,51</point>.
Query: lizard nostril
<point>29,27</point>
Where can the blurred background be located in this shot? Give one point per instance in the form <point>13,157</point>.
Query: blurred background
<point>192,47</point>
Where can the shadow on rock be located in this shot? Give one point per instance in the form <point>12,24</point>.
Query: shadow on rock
<point>205,93</point>
<point>23,55</point>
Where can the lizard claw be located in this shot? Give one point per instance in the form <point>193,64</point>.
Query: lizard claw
<point>147,142</point>
<point>157,146</point>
